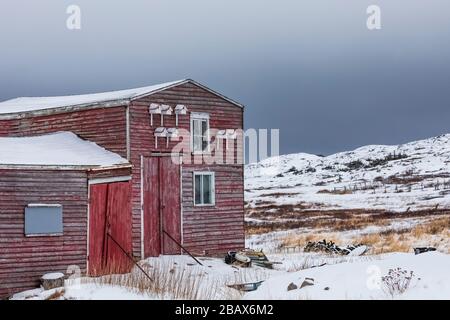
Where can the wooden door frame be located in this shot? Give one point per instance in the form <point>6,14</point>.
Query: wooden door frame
<point>142,158</point>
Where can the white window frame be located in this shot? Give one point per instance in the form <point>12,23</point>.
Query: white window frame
<point>200,116</point>
<point>213,188</point>
<point>45,234</point>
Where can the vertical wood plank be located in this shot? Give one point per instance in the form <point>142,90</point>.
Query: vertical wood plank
<point>152,235</point>
<point>119,227</point>
<point>170,214</point>
<point>97,213</point>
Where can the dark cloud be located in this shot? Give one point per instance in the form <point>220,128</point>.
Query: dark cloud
<point>310,68</point>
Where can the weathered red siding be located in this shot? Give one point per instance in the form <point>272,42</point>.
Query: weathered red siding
<point>24,259</point>
<point>219,228</point>
<point>104,126</point>
<point>223,115</point>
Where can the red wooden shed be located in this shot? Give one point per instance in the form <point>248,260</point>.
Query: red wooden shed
<point>60,198</point>
<point>184,142</point>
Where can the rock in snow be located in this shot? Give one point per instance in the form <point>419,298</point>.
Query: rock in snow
<point>291,286</point>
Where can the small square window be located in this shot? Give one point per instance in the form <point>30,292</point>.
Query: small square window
<point>43,219</point>
<point>204,190</point>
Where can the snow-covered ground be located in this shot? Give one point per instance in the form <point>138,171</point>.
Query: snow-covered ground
<point>85,291</point>
<point>333,278</point>
<point>363,280</point>
<point>174,277</point>
<point>415,175</point>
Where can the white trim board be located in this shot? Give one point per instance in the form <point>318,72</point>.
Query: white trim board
<point>34,205</point>
<point>142,206</point>
<point>127,125</point>
<point>109,180</point>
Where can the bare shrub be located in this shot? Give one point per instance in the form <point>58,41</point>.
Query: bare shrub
<point>336,191</point>
<point>397,281</point>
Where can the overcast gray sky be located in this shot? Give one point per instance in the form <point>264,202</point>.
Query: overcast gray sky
<point>310,68</point>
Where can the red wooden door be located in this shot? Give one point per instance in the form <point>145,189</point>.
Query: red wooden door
<point>109,213</point>
<point>169,186</point>
<point>152,226</point>
<point>161,206</point>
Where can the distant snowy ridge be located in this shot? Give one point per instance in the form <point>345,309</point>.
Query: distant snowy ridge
<point>409,176</point>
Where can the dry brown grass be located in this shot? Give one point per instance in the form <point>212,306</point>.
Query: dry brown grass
<point>383,243</point>
<point>358,222</point>
<point>251,229</point>
<point>168,282</point>
<point>434,227</point>
<point>325,222</point>
<point>294,240</point>
<point>174,281</point>
<point>278,194</point>
<point>431,233</point>
<point>288,217</point>
<point>336,191</point>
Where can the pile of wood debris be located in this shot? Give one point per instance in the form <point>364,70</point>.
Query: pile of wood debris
<point>249,257</point>
<point>331,248</point>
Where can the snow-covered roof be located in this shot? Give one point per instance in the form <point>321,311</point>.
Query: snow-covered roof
<point>56,149</point>
<point>29,104</point>
<point>26,104</point>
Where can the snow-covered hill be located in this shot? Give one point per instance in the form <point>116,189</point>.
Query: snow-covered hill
<point>403,177</point>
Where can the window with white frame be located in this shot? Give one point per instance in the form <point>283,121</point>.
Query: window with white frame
<point>204,189</point>
<point>200,132</point>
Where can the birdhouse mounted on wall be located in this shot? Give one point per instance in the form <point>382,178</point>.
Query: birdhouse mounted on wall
<point>172,133</point>
<point>165,110</point>
<point>154,109</point>
<point>160,132</point>
<point>179,109</point>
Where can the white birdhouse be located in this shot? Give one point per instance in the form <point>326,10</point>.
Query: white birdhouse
<point>179,109</point>
<point>160,132</point>
<point>165,110</point>
<point>172,133</point>
<point>154,109</point>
